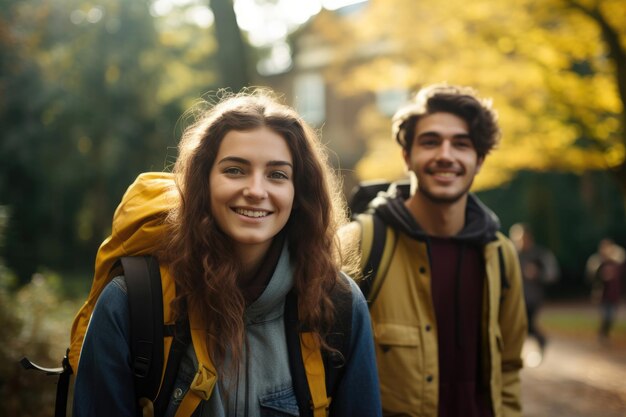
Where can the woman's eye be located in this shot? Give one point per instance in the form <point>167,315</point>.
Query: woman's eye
<point>279,175</point>
<point>233,171</point>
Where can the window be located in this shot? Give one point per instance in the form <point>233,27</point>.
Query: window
<point>310,97</point>
<point>388,101</point>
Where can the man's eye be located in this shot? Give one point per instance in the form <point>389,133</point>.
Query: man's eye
<point>464,144</point>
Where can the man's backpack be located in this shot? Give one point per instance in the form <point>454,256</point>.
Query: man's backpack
<point>378,240</point>
<point>157,341</point>
<point>376,254</point>
<point>366,194</point>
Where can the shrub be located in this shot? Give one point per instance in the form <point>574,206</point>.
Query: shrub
<point>35,323</point>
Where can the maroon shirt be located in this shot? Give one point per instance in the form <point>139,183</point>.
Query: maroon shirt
<point>610,274</point>
<point>457,289</point>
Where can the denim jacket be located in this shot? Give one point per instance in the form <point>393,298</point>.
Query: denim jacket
<point>261,385</point>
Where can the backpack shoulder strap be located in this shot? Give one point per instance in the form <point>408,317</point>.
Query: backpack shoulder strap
<point>145,301</point>
<point>340,335</point>
<point>294,350</point>
<point>315,373</point>
<point>149,333</point>
<point>306,363</point>
<point>180,335</point>
<point>313,361</point>
<point>376,254</point>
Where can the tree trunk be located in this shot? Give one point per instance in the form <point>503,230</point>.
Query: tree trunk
<point>231,53</point>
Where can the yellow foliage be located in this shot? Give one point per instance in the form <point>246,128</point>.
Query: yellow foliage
<point>383,161</point>
<point>544,63</point>
<point>180,78</point>
<point>615,155</point>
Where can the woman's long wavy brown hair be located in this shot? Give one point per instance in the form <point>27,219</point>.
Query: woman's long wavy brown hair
<point>201,256</point>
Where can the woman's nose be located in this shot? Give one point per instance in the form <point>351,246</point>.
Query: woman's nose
<point>255,188</point>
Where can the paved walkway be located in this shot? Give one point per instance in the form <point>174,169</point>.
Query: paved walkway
<point>577,378</point>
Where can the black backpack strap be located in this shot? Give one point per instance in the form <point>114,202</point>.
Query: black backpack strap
<point>298,373</point>
<point>64,373</point>
<point>145,300</point>
<point>339,336</point>
<point>60,408</point>
<point>181,340</point>
<point>379,238</point>
<point>378,244</point>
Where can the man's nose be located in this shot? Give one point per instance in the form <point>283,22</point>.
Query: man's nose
<point>444,151</point>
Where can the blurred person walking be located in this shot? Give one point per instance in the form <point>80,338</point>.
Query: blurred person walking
<point>539,268</point>
<point>606,270</point>
<point>448,312</point>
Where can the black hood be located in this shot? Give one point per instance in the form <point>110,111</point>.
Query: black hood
<point>481,224</point>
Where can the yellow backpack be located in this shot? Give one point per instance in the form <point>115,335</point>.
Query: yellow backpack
<point>138,224</point>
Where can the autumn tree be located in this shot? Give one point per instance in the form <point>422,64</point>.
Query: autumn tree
<point>555,69</point>
<point>90,95</point>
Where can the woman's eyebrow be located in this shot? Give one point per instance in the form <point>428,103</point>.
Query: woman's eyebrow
<point>244,161</point>
<point>280,163</point>
<point>235,159</point>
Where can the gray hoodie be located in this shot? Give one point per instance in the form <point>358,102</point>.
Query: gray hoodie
<point>269,387</point>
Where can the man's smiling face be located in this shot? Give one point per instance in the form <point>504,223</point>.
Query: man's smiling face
<point>443,158</point>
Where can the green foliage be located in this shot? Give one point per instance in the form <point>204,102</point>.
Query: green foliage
<point>90,95</point>
<point>35,323</point>
<point>567,213</point>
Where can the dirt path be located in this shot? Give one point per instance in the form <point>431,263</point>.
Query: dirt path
<point>576,379</point>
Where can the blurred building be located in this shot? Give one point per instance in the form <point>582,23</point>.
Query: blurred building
<point>303,78</point>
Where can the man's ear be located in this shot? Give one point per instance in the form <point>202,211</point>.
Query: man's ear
<point>479,163</point>
<point>406,157</point>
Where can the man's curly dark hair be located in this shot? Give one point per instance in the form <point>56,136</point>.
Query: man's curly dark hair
<point>461,101</point>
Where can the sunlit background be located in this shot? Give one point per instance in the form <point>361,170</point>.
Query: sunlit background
<point>93,92</point>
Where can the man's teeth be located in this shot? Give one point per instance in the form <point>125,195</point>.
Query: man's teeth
<point>445,174</point>
<point>251,213</point>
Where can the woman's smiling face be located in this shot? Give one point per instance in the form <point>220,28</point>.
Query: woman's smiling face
<point>252,187</point>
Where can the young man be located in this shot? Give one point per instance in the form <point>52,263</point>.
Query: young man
<point>606,269</point>
<point>539,269</point>
<point>449,319</point>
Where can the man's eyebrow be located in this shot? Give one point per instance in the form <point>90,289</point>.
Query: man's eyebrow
<point>439,135</point>
<point>428,133</point>
<point>239,160</point>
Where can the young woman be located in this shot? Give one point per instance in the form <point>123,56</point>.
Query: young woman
<point>254,222</point>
